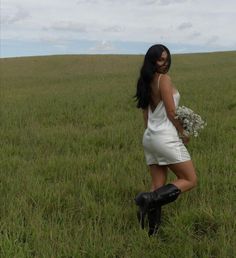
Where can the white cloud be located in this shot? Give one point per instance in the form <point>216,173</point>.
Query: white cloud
<point>114,28</point>
<point>86,2</point>
<point>102,47</point>
<point>185,22</point>
<point>185,25</point>
<point>66,26</point>
<point>13,14</point>
<point>212,39</point>
<point>195,34</point>
<point>171,2</point>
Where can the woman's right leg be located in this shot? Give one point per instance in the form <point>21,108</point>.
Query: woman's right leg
<point>187,179</point>
<point>186,175</point>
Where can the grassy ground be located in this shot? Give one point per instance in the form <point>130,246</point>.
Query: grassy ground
<point>71,159</point>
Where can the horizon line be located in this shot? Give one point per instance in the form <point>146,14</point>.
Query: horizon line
<point>114,54</point>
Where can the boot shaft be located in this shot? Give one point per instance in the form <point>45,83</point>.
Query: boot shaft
<point>164,195</point>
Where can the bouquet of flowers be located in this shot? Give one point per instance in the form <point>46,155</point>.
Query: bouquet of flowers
<point>191,122</point>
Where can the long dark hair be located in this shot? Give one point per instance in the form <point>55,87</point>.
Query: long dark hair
<point>147,72</point>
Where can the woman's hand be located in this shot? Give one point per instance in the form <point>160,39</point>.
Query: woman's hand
<point>185,137</point>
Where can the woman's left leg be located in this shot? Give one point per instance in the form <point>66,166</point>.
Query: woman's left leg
<point>158,175</point>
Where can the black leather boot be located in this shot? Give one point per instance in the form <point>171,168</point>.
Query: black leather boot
<point>154,220</point>
<point>163,195</point>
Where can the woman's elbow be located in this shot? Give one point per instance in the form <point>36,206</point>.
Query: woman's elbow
<point>171,115</point>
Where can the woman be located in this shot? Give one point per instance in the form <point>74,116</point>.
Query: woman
<point>164,138</point>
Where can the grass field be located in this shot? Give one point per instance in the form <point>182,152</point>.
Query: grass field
<point>71,159</point>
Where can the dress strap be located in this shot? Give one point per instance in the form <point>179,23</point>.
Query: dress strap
<point>158,81</point>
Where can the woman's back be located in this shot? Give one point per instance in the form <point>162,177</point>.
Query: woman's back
<point>157,115</point>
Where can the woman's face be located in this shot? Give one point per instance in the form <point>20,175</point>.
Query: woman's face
<point>162,62</point>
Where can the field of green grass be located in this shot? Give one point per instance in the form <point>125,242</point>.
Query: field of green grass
<point>71,159</point>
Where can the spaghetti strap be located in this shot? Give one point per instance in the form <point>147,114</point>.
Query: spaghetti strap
<point>158,81</point>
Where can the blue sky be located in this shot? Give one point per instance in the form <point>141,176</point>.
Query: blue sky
<point>51,27</point>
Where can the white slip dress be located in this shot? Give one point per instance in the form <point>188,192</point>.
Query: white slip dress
<point>161,142</point>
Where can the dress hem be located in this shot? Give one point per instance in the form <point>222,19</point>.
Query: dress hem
<point>169,163</point>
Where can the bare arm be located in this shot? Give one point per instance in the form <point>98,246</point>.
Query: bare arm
<point>167,97</point>
<point>145,117</point>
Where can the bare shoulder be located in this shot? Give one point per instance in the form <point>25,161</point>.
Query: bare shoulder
<point>165,78</point>
<point>165,82</point>
<point>159,78</point>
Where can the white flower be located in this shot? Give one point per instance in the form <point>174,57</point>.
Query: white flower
<point>191,122</point>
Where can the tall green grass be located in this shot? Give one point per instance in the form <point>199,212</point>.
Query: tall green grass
<point>71,159</point>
